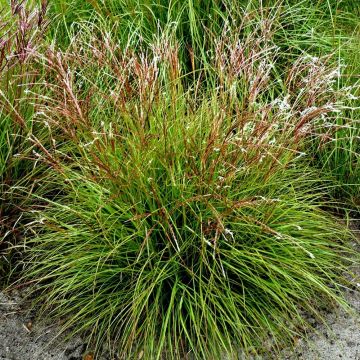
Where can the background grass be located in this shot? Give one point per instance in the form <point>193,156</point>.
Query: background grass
<point>19,170</point>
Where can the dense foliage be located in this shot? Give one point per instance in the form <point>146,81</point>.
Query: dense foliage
<point>173,174</point>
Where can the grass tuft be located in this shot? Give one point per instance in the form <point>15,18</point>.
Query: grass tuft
<point>190,221</point>
<point>170,171</point>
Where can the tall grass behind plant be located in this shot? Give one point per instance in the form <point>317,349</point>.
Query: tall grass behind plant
<point>143,19</point>
<point>317,29</point>
<point>341,156</point>
<point>21,31</point>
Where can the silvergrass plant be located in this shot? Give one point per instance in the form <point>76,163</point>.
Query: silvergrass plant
<point>189,224</point>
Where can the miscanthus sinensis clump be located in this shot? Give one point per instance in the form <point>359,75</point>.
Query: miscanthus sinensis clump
<point>188,222</point>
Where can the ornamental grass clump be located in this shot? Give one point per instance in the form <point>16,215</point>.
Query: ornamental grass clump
<point>189,223</point>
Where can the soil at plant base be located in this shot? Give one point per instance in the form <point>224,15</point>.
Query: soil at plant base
<point>21,337</point>
<point>340,339</point>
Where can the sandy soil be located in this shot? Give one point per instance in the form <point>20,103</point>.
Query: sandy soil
<point>339,340</point>
<point>23,338</point>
